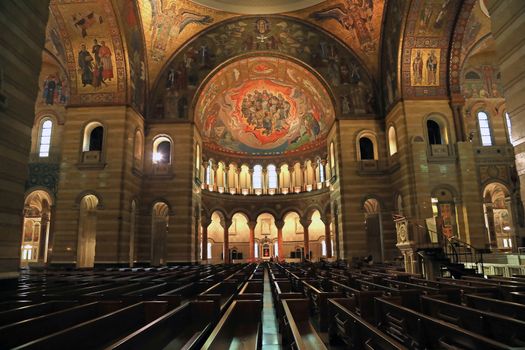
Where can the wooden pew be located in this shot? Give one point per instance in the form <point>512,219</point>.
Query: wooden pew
<point>419,331</point>
<point>239,328</point>
<point>102,331</point>
<point>506,308</point>
<point>354,331</point>
<point>184,293</point>
<point>409,297</point>
<point>451,294</point>
<point>283,290</point>
<point>34,310</point>
<point>24,331</point>
<point>450,283</point>
<point>221,293</point>
<point>186,327</point>
<point>364,300</point>
<point>319,302</point>
<point>298,332</point>
<point>14,304</point>
<point>518,297</point>
<point>504,290</point>
<point>251,290</point>
<point>503,329</point>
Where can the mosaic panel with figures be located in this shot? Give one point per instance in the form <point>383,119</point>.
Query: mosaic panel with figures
<point>349,82</point>
<point>263,106</point>
<point>94,53</point>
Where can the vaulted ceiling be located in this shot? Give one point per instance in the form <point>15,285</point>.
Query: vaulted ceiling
<point>384,45</point>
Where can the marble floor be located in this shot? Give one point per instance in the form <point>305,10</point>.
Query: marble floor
<point>271,339</point>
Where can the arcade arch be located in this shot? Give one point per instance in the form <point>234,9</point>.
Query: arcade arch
<point>87,230</point>
<point>35,235</point>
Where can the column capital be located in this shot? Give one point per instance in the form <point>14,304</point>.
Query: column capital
<point>252,224</point>
<point>326,219</point>
<point>305,222</point>
<point>226,223</point>
<point>205,221</point>
<point>279,223</point>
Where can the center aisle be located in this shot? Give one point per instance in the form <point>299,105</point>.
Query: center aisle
<point>271,339</point>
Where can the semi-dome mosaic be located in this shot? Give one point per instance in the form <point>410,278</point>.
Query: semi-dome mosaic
<point>264,106</point>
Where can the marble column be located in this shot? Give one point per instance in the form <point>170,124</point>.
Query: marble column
<point>280,224</point>
<point>251,225</point>
<point>204,223</point>
<point>327,220</point>
<point>226,252</point>
<point>306,223</point>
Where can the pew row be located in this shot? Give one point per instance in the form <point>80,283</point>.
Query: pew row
<point>239,328</point>
<point>186,327</point>
<point>298,333</point>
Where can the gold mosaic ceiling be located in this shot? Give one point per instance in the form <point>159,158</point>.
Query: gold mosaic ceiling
<point>168,24</point>
<point>135,39</point>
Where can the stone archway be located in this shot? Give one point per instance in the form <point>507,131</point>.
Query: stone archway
<point>159,230</point>
<point>87,231</point>
<point>36,228</point>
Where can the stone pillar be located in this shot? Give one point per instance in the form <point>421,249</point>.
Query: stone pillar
<point>204,248</point>
<point>251,225</point>
<point>44,231</point>
<point>512,232</point>
<point>327,220</point>
<point>278,172</point>
<point>306,223</point>
<point>202,174</point>
<point>305,177</point>
<point>508,24</point>
<point>21,56</point>
<point>489,212</point>
<point>250,181</point>
<point>225,178</point>
<point>226,251</point>
<point>264,180</point>
<point>238,180</point>
<point>457,104</point>
<point>213,177</point>
<point>280,224</point>
<point>51,234</point>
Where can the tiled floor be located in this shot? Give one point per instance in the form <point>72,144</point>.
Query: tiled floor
<point>271,338</point>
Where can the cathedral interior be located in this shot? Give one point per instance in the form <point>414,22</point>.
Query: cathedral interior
<point>232,138</point>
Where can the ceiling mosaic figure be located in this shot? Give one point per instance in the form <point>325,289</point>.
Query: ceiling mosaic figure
<point>263,106</point>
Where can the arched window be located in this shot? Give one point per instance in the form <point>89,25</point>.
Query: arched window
<point>509,126</point>
<point>162,150</point>
<point>93,137</point>
<point>45,138</point>
<point>272,176</point>
<point>392,140</point>
<point>257,176</point>
<point>366,147</point>
<point>434,133</point>
<point>484,129</point>
<point>256,249</point>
